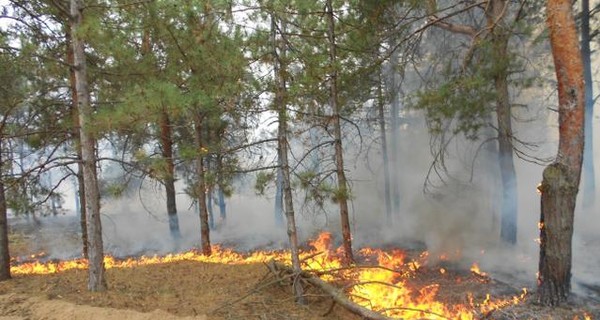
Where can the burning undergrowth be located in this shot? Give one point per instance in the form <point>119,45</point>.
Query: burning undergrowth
<point>396,283</point>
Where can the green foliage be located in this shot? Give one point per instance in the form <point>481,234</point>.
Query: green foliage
<point>263,179</point>
<point>114,190</point>
<point>465,100</point>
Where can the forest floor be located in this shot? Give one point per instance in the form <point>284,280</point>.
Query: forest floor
<point>196,290</point>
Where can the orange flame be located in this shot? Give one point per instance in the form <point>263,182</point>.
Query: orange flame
<point>383,287</point>
<point>476,270</point>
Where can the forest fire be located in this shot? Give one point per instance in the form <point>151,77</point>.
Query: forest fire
<point>382,283</point>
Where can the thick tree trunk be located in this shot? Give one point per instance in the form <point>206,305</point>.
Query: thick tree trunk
<point>97,280</point>
<point>589,173</point>
<point>384,150</point>
<point>201,188</point>
<point>561,179</point>
<point>556,230</point>
<point>282,156</point>
<point>4,249</point>
<point>77,144</point>
<point>343,192</point>
<point>500,37</point>
<point>166,142</point>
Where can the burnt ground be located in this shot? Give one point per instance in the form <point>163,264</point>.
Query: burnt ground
<point>194,290</point>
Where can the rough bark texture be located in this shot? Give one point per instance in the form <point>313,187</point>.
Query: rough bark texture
<point>166,142</point>
<point>282,155</point>
<point>343,191</point>
<point>561,179</point>
<point>589,172</point>
<point>201,189</point>
<point>97,280</point>
<point>77,144</point>
<point>500,36</point>
<point>4,250</point>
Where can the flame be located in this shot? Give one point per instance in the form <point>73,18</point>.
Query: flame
<point>382,286</point>
<point>476,270</point>
<point>585,316</point>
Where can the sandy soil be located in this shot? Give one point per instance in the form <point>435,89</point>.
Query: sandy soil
<point>186,289</point>
<point>194,290</point>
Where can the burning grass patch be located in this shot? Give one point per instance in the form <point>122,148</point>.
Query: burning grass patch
<point>230,285</point>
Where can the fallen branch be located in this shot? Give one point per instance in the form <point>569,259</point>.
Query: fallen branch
<point>278,279</point>
<point>335,293</point>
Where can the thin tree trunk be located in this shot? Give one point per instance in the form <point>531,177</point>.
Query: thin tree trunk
<point>384,149</point>
<point>279,195</point>
<point>4,249</point>
<point>589,174</point>
<point>561,179</point>
<point>77,144</point>
<point>209,207</point>
<point>343,191</point>
<point>284,169</point>
<point>500,37</point>
<point>221,192</point>
<point>394,122</point>
<point>166,141</point>
<point>201,188</point>
<point>97,280</point>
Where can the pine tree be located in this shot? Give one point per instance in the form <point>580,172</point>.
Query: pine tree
<point>561,179</point>
<point>97,279</point>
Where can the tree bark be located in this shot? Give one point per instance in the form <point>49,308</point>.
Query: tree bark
<point>4,247</point>
<point>500,37</point>
<point>77,144</point>
<point>282,156</point>
<point>384,149</point>
<point>279,195</point>
<point>561,179</point>
<point>589,173</point>
<point>221,192</point>
<point>166,142</point>
<point>394,132</point>
<point>201,188</point>
<point>97,280</point>
<point>343,191</point>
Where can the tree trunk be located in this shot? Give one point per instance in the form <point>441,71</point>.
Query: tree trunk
<point>166,142</point>
<point>394,124</point>
<point>279,178</point>
<point>282,155</point>
<point>384,150</point>
<point>97,280</point>
<point>201,188</point>
<point>221,192</point>
<point>279,195</point>
<point>77,144</point>
<point>561,179</point>
<point>209,207</point>
<point>589,175</point>
<point>4,249</point>
<point>500,37</point>
<point>343,191</point>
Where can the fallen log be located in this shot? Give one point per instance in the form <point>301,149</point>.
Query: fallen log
<point>335,293</point>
